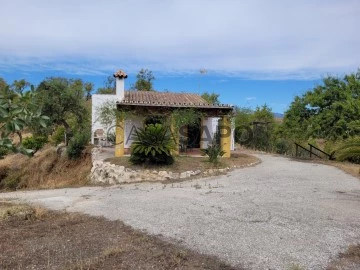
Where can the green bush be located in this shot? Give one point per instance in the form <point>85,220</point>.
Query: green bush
<point>58,135</point>
<point>153,144</point>
<point>3,151</point>
<point>214,152</point>
<point>282,146</point>
<point>111,137</point>
<point>34,143</point>
<point>77,145</point>
<point>349,150</point>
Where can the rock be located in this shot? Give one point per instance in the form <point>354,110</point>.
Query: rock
<point>107,173</point>
<point>61,149</point>
<point>164,175</point>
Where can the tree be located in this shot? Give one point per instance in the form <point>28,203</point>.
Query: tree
<point>255,129</point>
<point>144,80</point>
<point>211,98</point>
<point>63,100</point>
<point>263,121</point>
<point>88,89</point>
<point>109,87</point>
<point>3,84</point>
<point>329,111</point>
<point>18,111</point>
<point>20,86</point>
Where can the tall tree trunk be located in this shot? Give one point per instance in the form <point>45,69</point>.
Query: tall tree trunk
<point>67,132</point>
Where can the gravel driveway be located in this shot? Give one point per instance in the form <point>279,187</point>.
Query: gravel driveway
<point>277,215</point>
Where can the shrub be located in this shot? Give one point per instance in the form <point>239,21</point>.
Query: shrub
<point>4,172</point>
<point>34,143</point>
<point>77,144</point>
<point>3,151</point>
<point>153,144</point>
<point>11,181</point>
<point>213,151</point>
<point>282,146</point>
<point>349,150</point>
<point>58,135</point>
<point>111,137</point>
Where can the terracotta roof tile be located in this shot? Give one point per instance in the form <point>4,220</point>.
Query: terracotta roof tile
<point>168,99</point>
<point>120,74</point>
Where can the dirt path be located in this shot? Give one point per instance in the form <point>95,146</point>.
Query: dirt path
<point>277,215</point>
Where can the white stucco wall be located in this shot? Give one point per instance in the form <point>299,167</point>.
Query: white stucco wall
<point>130,126</point>
<point>211,124</point>
<point>209,130</point>
<point>97,101</point>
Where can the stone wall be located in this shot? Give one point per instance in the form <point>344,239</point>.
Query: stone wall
<point>103,172</point>
<point>107,173</point>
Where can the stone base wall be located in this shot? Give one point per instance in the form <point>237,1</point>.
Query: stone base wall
<point>106,173</point>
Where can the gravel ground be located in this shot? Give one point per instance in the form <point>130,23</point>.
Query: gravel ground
<point>277,215</point>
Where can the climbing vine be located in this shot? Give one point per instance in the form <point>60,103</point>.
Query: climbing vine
<point>186,116</point>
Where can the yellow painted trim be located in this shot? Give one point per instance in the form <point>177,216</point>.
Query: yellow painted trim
<point>225,140</point>
<point>120,137</point>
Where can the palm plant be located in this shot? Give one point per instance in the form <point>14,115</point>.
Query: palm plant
<point>349,150</point>
<point>153,144</point>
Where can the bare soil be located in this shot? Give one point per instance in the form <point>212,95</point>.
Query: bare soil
<point>190,163</point>
<point>34,238</point>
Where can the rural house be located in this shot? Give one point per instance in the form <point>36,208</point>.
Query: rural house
<point>144,105</point>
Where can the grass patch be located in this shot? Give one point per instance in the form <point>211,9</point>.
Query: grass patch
<point>60,240</point>
<point>186,163</point>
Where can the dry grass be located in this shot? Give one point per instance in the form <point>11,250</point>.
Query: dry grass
<point>45,170</point>
<point>61,240</point>
<point>20,211</point>
<point>350,168</point>
<point>188,163</point>
<point>347,260</point>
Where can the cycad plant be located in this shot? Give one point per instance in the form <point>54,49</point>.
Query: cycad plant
<point>349,150</point>
<point>213,151</point>
<point>153,144</point>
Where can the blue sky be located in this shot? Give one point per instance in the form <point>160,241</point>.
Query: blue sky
<point>255,51</point>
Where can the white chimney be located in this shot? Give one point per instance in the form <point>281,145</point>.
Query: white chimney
<point>120,77</point>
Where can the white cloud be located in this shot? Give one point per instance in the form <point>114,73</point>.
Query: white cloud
<point>250,98</point>
<point>254,38</point>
